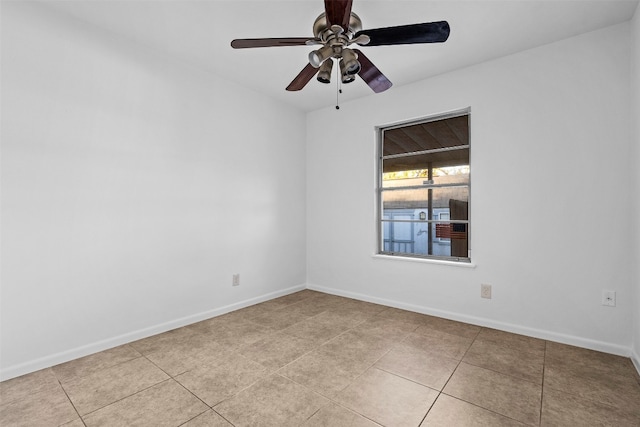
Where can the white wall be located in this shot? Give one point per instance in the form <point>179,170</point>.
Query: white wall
<point>550,192</point>
<point>635,76</point>
<point>133,187</point>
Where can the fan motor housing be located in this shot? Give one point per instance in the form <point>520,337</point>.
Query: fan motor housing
<point>321,25</point>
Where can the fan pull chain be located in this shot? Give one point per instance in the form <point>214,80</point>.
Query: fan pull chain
<point>338,87</point>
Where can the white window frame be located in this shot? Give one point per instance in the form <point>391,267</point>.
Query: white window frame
<point>380,252</point>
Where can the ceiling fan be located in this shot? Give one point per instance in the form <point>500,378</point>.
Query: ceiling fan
<point>338,28</point>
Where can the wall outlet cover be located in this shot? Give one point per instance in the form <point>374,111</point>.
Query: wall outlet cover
<point>608,298</point>
<point>485,291</point>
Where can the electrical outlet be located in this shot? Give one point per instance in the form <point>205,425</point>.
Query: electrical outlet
<point>485,291</point>
<point>236,280</point>
<point>608,298</point>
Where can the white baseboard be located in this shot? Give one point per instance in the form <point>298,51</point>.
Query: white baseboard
<point>635,358</point>
<point>85,350</point>
<point>75,353</point>
<point>508,327</point>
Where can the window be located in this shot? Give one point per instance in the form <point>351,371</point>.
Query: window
<point>423,188</point>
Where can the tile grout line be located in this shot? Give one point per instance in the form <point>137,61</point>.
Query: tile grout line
<point>115,401</point>
<point>223,417</point>
<point>315,348</point>
<point>460,361</point>
<point>276,371</point>
<point>331,399</point>
<point>502,373</point>
<point>81,377</point>
<point>462,400</point>
<point>471,403</point>
<point>396,375</point>
<point>499,372</point>
<point>194,395</point>
<point>71,402</point>
<point>358,413</point>
<point>182,385</point>
<point>125,397</point>
<point>316,411</point>
<point>588,399</point>
<point>430,407</point>
<point>270,311</point>
<point>483,408</point>
<point>405,378</point>
<point>441,391</point>
<point>544,366</point>
<point>562,391</point>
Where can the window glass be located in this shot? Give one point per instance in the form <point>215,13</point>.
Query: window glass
<point>424,187</point>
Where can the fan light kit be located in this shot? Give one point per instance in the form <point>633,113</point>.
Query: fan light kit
<point>335,31</point>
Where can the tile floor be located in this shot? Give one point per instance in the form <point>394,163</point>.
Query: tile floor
<point>312,359</point>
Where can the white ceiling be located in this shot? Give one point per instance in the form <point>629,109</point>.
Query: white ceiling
<point>199,32</point>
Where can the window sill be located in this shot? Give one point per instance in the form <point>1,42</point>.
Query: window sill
<point>426,261</point>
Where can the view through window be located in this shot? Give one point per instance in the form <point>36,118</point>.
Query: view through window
<point>423,188</point>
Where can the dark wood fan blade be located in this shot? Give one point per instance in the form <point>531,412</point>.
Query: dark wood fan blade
<point>429,32</point>
<point>371,75</point>
<point>248,43</point>
<point>303,78</point>
<point>338,12</point>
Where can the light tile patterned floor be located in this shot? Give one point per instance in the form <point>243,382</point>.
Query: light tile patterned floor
<point>312,359</point>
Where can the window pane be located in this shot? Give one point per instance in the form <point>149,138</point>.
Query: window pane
<point>426,238</point>
<point>441,176</point>
<point>416,221</point>
<point>417,200</point>
<point>427,136</point>
<point>425,161</point>
<point>399,236</point>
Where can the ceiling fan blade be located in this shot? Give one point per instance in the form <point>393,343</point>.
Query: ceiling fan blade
<point>290,41</point>
<point>371,75</point>
<point>338,12</point>
<point>429,32</point>
<point>303,78</point>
